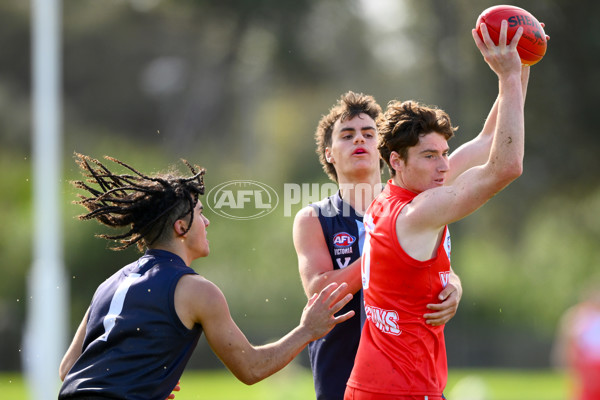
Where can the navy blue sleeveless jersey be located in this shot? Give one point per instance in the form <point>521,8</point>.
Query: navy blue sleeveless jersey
<point>332,356</point>
<point>135,345</point>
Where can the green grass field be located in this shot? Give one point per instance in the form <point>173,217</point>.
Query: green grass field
<point>295,383</point>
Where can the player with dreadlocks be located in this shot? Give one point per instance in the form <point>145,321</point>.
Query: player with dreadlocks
<point>145,320</point>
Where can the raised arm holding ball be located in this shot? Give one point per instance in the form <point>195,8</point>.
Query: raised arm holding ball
<point>406,256</point>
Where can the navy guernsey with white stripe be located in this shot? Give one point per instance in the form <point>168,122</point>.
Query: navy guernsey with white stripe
<point>332,356</point>
<point>135,345</point>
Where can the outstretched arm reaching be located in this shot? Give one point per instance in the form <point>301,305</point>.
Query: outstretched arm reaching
<point>198,300</point>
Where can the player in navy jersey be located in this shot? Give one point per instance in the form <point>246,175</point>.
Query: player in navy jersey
<point>329,234</point>
<point>144,321</point>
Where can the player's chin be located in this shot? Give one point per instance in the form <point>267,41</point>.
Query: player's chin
<point>364,164</point>
<point>204,252</point>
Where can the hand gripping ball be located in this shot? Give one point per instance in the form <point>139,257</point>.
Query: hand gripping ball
<point>532,45</point>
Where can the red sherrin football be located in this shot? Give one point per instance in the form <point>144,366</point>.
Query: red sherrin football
<point>532,45</point>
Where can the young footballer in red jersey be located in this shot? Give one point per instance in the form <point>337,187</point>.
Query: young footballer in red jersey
<point>406,257</point>
<point>577,345</point>
<point>145,320</point>
<point>329,235</point>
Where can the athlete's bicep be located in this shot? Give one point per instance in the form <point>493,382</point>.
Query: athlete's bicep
<point>435,208</point>
<point>75,349</point>
<point>469,155</point>
<point>209,309</point>
<point>314,259</point>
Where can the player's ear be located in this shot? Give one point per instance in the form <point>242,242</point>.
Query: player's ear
<point>395,161</point>
<point>328,155</point>
<point>179,226</point>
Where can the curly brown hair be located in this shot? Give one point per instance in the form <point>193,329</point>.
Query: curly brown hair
<point>403,123</point>
<point>348,106</point>
<point>146,205</point>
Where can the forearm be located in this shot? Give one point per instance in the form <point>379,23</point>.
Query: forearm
<point>318,318</point>
<point>272,357</point>
<point>315,282</point>
<point>476,152</point>
<point>506,155</point>
<point>492,118</point>
<point>525,69</point>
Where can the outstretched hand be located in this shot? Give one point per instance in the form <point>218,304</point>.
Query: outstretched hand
<point>318,316</point>
<point>502,58</point>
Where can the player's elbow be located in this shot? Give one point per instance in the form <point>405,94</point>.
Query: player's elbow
<point>507,172</point>
<point>65,367</point>
<point>249,377</point>
<point>514,169</point>
<point>252,381</point>
<point>62,373</point>
<point>248,373</point>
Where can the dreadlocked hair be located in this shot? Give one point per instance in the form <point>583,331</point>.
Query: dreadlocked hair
<point>146,205</point>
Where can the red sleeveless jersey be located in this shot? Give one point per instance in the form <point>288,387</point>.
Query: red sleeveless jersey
<point>586,349</point>
<point>399,354</point>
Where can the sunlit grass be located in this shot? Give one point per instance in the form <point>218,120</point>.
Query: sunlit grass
<point>295,383</point>
<point>495,384</point>
<point>12,386</point>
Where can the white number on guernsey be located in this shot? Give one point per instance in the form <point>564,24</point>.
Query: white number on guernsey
<point>116,305</point>
<point>365,263</point>
<point>448,244</point>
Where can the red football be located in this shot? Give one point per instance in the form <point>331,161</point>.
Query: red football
<point>532,45</point>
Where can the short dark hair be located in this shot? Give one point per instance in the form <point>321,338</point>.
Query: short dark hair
<point>403,123</point>
<point>348,106</point>
<point>146,205</point>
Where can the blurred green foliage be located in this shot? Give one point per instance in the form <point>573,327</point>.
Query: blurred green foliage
<point>238,87</point>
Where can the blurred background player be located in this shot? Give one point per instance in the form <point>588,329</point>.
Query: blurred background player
<point>329,235</point>
<point>406,259</point>
<point>577,345</point>
<point>145,321</point>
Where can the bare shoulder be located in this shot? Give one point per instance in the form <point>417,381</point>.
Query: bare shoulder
<point>197,298</point>
<point>199,288</point>
<point>419,213</point>
<point>306,224</point>
<point>306,215</point>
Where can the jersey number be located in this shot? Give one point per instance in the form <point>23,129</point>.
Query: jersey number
<point>365,263</point>
<point>116,305</point>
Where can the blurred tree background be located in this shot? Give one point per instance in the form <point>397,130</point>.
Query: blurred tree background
<point>238,87</point>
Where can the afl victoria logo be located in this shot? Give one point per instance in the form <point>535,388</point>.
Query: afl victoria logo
<point>242,199</point>
<point>343,239</point>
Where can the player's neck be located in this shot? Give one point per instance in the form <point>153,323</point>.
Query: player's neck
<point>177,247</point>
<point>359,193</point>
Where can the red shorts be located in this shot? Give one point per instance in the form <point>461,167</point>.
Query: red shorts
<point>355,394</point>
